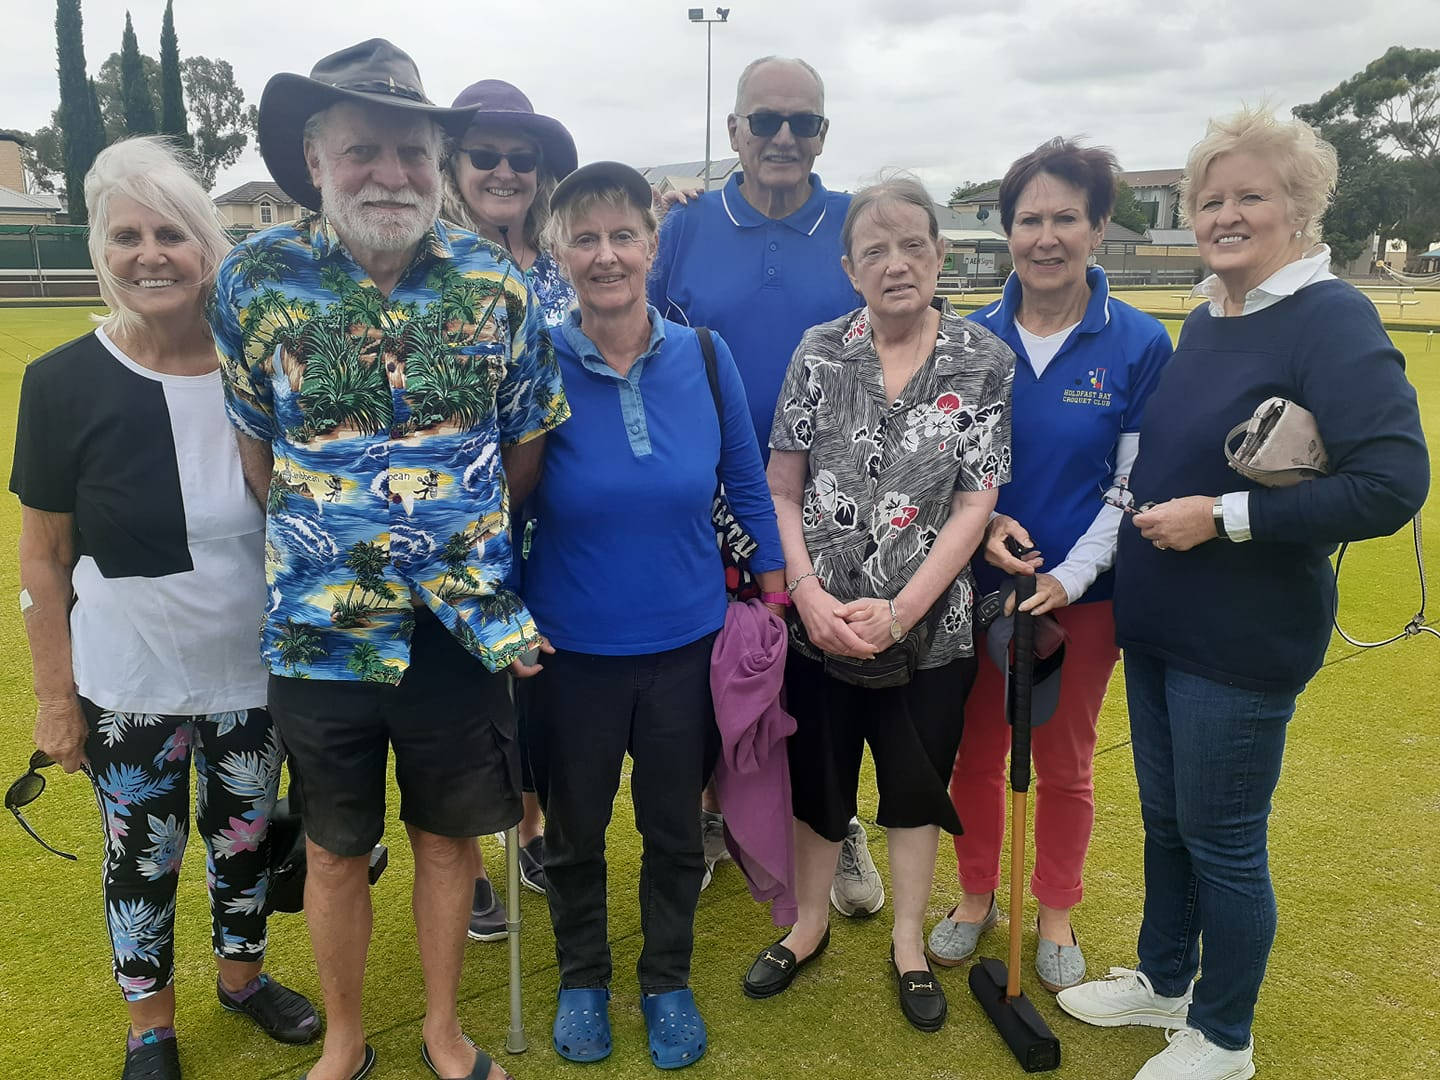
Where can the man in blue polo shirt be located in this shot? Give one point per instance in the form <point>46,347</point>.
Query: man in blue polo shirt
<point>759,262</point>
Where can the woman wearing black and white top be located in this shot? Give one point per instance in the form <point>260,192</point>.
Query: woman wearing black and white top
<point>141,556</point>
<point>891,436</point>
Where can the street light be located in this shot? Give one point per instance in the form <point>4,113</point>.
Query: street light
<point>697,15</point>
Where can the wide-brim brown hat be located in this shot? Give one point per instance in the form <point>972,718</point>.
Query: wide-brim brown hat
<point>373,72</point>
<point>497,103</point>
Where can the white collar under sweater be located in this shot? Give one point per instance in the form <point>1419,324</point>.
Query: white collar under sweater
<point>1313,266</point>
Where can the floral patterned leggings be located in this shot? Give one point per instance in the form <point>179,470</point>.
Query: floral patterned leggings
<point>141,766</point>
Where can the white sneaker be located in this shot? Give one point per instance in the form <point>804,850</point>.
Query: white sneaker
<point>857,888</point>
<point>1124,997</point>
<point>712,840</point>
<point>1191,1056</point>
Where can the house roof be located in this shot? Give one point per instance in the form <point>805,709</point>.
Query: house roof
<point>253,191</point>
<point>720,168</point>
<point>950,220</point>
<point>1115,233</point>
<point>1152,177</point>
<point>41,202</point>
<point>989,195</point>
<point>1172,237</point>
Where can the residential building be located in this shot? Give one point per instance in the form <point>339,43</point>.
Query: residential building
<point>257,205</point>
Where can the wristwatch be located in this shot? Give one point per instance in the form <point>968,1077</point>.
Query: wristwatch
<point>1218,512</point>
<point>896,630</point>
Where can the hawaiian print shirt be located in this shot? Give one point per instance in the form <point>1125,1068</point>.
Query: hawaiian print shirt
<point>881,477</point>
<point>386,416</point>
<point>556,295</point>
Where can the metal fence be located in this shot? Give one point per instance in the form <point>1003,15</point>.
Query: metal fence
<point>53,260</point>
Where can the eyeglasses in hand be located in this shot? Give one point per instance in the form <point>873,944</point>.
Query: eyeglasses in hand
<point>26,790</point>
<point>1121,497</point>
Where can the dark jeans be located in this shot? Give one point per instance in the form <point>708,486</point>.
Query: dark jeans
<point>1207,758</point>
<point>584,712</point>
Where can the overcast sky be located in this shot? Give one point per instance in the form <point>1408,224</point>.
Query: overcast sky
<point>949,90</point>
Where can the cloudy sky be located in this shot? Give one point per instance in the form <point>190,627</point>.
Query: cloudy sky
<point>952,91</point>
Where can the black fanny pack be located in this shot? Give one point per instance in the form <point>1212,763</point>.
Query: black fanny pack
<point>894,666</point>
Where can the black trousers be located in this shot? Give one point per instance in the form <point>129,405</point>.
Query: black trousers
<point>584,713</point>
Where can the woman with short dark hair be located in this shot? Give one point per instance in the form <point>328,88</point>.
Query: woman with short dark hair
<point>1085,369</point>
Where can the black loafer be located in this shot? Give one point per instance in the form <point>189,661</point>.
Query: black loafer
<point>922,998</point>
<point>153,1061</point>
<point>277,1010</point>
<point>776,967</point>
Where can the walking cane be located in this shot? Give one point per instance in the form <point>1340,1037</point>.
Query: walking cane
<point>997,988</point>
<point>515,1038</point>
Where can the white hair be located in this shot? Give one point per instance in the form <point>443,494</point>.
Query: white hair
<point>153,172</point>
<point>756,65</point>
<point>1307,164</point>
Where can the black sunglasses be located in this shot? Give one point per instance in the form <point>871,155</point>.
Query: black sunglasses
<point>802,125</point>
<point>25,791</point>
<point>485,159</point>
<point>1121,497</point>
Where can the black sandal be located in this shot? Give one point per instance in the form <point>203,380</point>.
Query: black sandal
<point>278,1011</point>
<point>479,1071</point>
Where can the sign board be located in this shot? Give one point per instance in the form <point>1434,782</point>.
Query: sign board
<point>977,263</point>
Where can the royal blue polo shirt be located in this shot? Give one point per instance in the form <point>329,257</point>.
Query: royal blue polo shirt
<point>1066,422</point>
<point>759,282</point>
<point>623,559</point>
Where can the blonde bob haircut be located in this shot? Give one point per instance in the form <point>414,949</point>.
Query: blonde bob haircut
<point>1306,163</point>
<point>151,171</point>
<point>562,219</point>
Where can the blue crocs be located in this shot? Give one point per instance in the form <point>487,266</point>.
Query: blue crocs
<point>677,1033</point>
<point>582,1024</point>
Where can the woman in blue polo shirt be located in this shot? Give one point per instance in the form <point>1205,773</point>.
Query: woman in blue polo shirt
<point>1087,364</point>
<point>625,580</point>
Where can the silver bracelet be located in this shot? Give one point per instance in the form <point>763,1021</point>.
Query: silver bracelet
<point>790,588</point>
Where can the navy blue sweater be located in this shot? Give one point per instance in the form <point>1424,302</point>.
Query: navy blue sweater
<point>1257,614</point>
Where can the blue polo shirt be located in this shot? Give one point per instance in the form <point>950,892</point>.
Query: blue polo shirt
<point>759,282</point>
<point>623,559</point>
<point>1066,422</point>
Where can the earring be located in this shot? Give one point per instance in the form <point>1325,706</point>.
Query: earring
<point>1298,234</point>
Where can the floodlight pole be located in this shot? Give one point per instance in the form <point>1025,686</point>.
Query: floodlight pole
<point>697,15</point>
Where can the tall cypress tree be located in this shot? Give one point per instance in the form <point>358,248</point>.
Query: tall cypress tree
<point>82,131</point>
<point>172,94</point>
<point>135,95</point>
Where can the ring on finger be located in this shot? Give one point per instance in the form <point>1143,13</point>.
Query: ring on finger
<point>1160,546</point>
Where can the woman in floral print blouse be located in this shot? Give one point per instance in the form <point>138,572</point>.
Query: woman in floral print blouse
<point>891,438</point>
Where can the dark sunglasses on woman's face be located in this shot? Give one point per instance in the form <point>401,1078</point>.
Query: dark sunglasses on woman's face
<point>25,791</point>
<point>485,159</point>
<point>802,125</point>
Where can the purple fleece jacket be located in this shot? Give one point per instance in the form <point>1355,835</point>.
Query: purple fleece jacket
<point>752,777</point>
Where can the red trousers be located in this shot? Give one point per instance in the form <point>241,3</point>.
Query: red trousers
<point>1063,751</point>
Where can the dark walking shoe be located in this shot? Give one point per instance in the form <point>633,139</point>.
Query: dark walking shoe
<point>153,1057</point>
<point>922,998</point>
<point>775,969</point>
<point>532,865</point>
<point>487,913</point>
<point>278,1011</point>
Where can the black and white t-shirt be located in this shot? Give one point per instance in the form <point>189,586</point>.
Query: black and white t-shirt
<point>881,477</point>
<point>169,582</point>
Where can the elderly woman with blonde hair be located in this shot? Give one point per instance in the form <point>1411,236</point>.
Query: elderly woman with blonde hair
<point>1223,590</point>
<point>141,556</point>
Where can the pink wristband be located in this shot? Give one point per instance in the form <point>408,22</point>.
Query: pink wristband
<point>780,598</point>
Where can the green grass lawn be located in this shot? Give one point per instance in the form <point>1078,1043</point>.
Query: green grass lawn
<point>1352,985</point>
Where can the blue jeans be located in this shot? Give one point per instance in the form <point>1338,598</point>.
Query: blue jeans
<point>1207,758</point>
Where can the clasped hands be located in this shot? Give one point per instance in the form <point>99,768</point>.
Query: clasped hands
<point>859,628</point>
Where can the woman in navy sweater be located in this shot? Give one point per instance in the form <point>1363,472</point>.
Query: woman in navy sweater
<point>1223,588</point>
<point>624,578</point>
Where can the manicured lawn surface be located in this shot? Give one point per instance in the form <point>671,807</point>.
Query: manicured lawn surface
<point>1173,303</point>
<point>1352,984</point>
